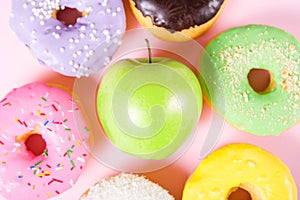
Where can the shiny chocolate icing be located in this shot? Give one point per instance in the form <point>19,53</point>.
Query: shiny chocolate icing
<point>176,15</point>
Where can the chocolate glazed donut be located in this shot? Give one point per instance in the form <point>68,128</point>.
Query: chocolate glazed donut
<point>178,15</point>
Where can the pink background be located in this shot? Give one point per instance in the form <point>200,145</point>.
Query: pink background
<point>19,67</point>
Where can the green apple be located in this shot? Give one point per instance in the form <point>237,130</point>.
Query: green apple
<point>149,107</point>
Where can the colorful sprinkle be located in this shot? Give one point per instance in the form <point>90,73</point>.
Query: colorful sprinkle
<point>6,104</point>
<point>54,107</point>
<point>41,175</point>
<point>67,129</point>
<point>55,180</point>
<point>45,152</point>
<point>81,159</point>
<point>68,153</point>
<point>3,100</point>
<point>65,120</point>
<point>73,164</point>
<point>38,163</point>
<point>19,121</point>
<point>4,136</point>
<point>58,167</point>
<point>24,123</point>
<point>44,99</point>
<point>49,194</point>
<point>1,143</point>
<point>86,129</point>
<point>45,124</point>
<point>47,173</point>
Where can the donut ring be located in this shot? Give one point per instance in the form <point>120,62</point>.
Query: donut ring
<point>74,38</point>
<point>247,172</point>
<point>41,152</point>
<point>126,186</point>
<point>257,68</point>
<point>177,20</point>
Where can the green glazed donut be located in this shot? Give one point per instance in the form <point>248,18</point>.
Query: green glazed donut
<point>257,69</point>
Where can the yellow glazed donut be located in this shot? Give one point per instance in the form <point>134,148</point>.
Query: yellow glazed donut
<point>241,172</point>
<point>177,20</point>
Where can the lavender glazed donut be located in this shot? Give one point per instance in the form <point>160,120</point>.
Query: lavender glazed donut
<point>74,38</point>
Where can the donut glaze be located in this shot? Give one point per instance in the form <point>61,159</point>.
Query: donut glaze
<point>235,53</point>
<point>176,15</point>
<point>74,38</point>
<point>241,170</point>
<point>44,113</point>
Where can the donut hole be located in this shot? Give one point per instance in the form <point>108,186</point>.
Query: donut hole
<point>68,16</point>
<point>261,80</point>
<point>239,193</point>
<point>36,144</point>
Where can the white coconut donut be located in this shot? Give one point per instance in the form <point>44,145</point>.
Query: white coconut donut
<point>126,186</point>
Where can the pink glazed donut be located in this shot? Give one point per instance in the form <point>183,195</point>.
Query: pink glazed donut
<point>74,38</point>
<point>41,154</point>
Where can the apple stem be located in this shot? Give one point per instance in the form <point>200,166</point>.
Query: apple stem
<point>149,50</point>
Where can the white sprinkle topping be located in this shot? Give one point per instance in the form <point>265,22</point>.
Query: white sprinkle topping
<point>82,28</point>
<point>81,159</point>
<point>57,27</point>
<point>45,8</point>
<point>127,186</point>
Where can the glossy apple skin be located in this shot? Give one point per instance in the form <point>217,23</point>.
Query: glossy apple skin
<point>149,109</point>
